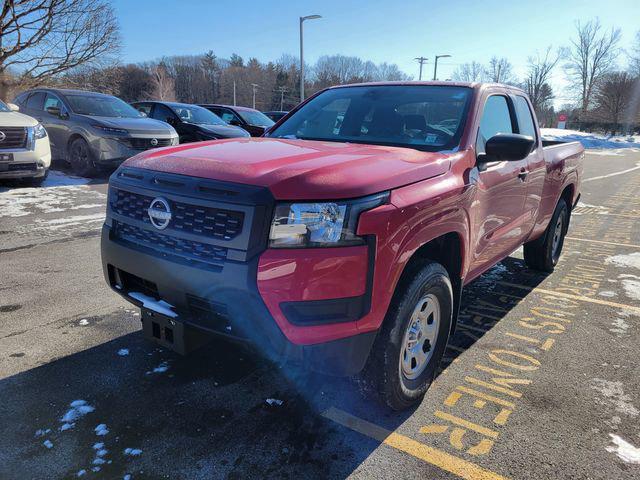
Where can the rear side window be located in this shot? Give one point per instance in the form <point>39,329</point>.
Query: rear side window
<point>525,119</point>
<point>496,118</point>
<point>52,101</point>
<point>35,101</point>
<point>144,108</point>
<point>161,112</point>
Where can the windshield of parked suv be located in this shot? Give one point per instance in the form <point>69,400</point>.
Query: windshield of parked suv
<point>101,106</point>
<point>197,115</point>
<point>3,107</point>
<point>425,117</point>
<point>256,118</point>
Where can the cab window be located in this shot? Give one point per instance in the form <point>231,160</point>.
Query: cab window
<point>144,108</point>
<point>52,101</point>
<point>524,116</point>
<point>35,101</point>
<point>496,118</point>
<point>163,113</point>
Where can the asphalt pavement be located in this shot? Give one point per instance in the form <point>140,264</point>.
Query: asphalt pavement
<point>540,381</point>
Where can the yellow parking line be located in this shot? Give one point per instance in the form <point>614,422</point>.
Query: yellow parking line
<point>630,245</point>
<point>434,456</point>
<point>573,297</point>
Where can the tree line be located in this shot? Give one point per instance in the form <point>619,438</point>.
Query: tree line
<point>76,43</point>
<point>604,96</point>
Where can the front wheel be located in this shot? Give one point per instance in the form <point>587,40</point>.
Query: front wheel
<point>544,253</point>
<point>413,338</point>
<point>81,158</point>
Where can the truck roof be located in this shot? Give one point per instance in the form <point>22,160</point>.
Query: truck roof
<point>474,85</point>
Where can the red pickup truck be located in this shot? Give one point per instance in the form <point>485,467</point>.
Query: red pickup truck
<point>343,238</point>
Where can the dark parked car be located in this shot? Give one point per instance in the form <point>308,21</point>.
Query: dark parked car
<point>275,115</point>
<point>90,129</point>
<point>193,123</point>
<point>251,120</point>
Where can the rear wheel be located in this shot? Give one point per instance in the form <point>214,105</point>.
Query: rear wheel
<point>413,338</point>
<point>544,253</point>
<point>81,158</point>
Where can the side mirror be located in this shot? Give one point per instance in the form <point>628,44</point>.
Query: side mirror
<point>507,146</point>
<point>55,111</point>
<point>13,107</point>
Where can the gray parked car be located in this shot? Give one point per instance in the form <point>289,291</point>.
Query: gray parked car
<point>90,130</point>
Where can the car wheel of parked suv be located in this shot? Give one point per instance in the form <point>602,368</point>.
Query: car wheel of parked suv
<point>81,158</point>
<point>543,253</point>
<point>413,338</point>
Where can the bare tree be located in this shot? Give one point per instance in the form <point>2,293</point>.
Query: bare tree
<point>163,83</point>
<point>536,83</point>
<point>469,72</point>
<point>592,55</point>
<point>634,56</point>
<point>500,70</point>
<point>40,39</point>
<point>613,100</point>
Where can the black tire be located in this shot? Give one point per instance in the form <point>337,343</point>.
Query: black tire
<point>385,367</point>
<point>543,253</point>
<point>36,181</point>
<point>81,158</point>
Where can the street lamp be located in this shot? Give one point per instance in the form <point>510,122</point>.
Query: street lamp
<point>435,67</point>
<point>302,19</point>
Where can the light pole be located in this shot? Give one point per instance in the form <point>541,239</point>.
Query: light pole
<point>255,87</point>
<point>302,19</point>
<point>435,67</point>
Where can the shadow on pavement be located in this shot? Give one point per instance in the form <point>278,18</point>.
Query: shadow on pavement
<point>218,413</point>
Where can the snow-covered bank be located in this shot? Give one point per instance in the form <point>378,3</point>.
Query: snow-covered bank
<point>591,140</point>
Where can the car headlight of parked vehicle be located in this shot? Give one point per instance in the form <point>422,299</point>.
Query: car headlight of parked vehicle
<point>320,224</point>
<point>39,132</point>
<point>105,129</point>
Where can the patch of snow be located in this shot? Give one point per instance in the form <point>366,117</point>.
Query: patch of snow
<point>42,432</point>
<point>102,452</point>
<point>98,461</point>
<point>48,444</point>
<point>126,477</point>
<point>163,367</point>
<point>83,322</point>
<point>134,452</point>
<point>614,393</point>
<point>624,450</point>
<point>590,140</point>
<point>101,430</point>
<point>79,408</point>
<point>159,306</point>
<point>63,223</point>
<point>81,473</point>
<point>608,294</point>
<point>95,469</point>
<point>619,326</point>
<point>67,426</point>
<point>18,202</point>
<point>631,260</point>
<point>274,401</point>
<point>123,352</point>
<point>98,446</point>
<point>631,286</point>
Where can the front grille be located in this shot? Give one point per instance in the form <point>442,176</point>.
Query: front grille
<point>210,222</point>
<point>12,167</point>
<point>13,137</point>
<point>176,249</point>
<point>147,143</point>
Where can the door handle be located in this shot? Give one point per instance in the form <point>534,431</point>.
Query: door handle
<point>523,175</point>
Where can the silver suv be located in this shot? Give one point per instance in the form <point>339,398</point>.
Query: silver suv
<point>90,130</point>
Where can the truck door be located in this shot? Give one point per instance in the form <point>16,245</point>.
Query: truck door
<point>497,214</point>
<point>536,165</point>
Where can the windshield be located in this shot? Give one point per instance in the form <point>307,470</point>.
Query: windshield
<point>197,115</point>
<point>253,117</point>
<point>425,117</point>
<point>101,106</point>
<point>3,107</point>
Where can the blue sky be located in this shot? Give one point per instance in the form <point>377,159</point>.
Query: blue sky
<point>392,31</point>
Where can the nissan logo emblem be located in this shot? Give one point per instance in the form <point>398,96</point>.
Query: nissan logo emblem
<point>2,136</point>
<point>159,213</point>
<point>154,142</point>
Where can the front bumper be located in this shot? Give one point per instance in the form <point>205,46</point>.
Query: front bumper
<point>26,163</point>
<point>225,303</point>
<point>112,151</point>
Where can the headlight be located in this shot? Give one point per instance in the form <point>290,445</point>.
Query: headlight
<point>175,141</point>
<point>320,224</point>
<point>105,129</point>
<point>39,132</point>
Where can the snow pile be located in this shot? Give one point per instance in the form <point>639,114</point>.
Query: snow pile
<point>101,430</point>
<point>134,452</point>
<point>631,260</point>
<point>123,352</point>
<point>623,449</point>
<point>590,140</point>
<point>79,408</point>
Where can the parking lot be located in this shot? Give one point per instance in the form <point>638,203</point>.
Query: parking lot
<point>541,379</point>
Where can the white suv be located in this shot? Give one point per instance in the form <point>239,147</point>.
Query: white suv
<point>24,146</point>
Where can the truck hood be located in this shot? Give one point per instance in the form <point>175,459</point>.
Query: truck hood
<point>141,125</point>
<point>298,169</point>
<point>15,119</point>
